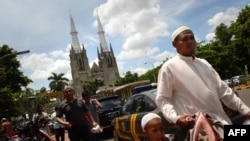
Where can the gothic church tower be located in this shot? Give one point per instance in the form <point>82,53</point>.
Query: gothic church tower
<point>107,61</point>
<point>106,69</point>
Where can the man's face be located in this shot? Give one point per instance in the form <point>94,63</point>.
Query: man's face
<point>68,93</point>
<point>185,43</point>
<point>86,98</point>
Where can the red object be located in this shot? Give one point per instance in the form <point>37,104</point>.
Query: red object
<point>203,129</point>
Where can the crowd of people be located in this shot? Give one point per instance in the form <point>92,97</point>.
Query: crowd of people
<point>77,116</point>
<point>7,127</point>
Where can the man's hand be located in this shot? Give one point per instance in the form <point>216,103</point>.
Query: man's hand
<point>185,122</point>
<point>67,124</point>
<point>248,115</point>
<point>94,100</point>
<point>94,124</point>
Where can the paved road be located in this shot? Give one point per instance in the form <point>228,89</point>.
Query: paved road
<point>67,139</point>
<point>245,96</point>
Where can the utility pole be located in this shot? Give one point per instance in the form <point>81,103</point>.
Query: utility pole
<point>13,54</point>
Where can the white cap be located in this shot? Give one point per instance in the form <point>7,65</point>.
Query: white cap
<point>178,31</point>
<point>68,87</point>
<point>146,118</point>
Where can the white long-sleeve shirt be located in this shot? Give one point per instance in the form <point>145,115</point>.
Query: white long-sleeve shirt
<point>187,85</point>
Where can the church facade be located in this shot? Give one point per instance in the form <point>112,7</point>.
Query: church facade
<point>106,69</point>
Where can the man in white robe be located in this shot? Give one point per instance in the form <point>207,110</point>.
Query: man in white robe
<point>187,84</point>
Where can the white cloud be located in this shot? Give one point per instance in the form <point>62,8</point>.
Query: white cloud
<point>210,36</point>
<point>42,65</point>
<point>60,53</point>
<point>164,55</point>
<point>139,22</point>
<point>139,71</point>
<point>226,17</point>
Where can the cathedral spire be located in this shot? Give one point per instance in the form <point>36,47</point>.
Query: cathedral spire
<point>102,39</point>
<point>75,42</point>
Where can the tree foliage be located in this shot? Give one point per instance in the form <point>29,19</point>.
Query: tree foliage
<point>92,86</point>
<point>229,52</point>
<point>11,83</point>
<point>58,82</point>
<point>129,77</point>
<point>151,74</point>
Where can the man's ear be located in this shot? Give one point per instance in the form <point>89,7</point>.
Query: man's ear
<point>174,44</point>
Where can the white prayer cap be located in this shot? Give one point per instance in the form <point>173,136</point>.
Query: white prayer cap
<point>178,31</point>
<point>146,118</point>
<point>68,87</point>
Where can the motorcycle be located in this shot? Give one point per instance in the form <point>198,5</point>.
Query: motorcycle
<point>32,132</point>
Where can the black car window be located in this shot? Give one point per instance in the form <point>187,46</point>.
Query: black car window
<point>111,103</point>
<point>139,104</point>
<point>127,107</point>
<point>149,104</point>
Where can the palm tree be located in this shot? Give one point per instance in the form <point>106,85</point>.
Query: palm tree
<point>58,82</point>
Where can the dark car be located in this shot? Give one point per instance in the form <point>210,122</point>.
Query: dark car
<point>239,79</point>
<point>127,127</point>
<point>110,109</point>
<point>228,82</point>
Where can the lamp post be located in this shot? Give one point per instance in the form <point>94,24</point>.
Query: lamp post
<point>153,70</point>
<point>31,106</point>
<point>13,53</point>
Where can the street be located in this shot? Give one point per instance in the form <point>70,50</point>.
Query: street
<point>245,96</point>
<point>67,139</point>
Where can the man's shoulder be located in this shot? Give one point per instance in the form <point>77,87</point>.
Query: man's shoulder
<point>44,113</point>
<point>79,100</point>
<point>53,114</point>
<point>203,61</point>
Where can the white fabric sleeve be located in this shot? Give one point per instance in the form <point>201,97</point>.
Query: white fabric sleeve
<point>164,95</point>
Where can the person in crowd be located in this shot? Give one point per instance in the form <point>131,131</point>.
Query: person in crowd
<point>41,119</point>
<point>7,127</point>
<point>59,129</point>
<point>93,106</point>
<point>21,121</point>
<point>188,84</point>
<point>152,127</point>
<point>75,112</point>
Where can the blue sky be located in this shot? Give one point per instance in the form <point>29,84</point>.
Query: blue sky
<point>139,30</point>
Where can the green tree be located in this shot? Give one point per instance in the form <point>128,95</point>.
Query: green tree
<point>11,76</point>
<point>129,77</point>
<point>241,33</point>
<point>92,86</point>
<point>11,83</point>
<point>223,34</point>
<point>151,74</point>
<point>229,52</point>
<point>58,82</point>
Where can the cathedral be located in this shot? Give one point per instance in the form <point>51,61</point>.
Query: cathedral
<point>106,69</point>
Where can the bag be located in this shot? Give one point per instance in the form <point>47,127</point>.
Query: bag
<point>205,129</point>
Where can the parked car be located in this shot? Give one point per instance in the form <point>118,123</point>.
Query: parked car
<point>110,109</point>
<point>228,82</point>
<point>239,79</point>
<point>127,126</point>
